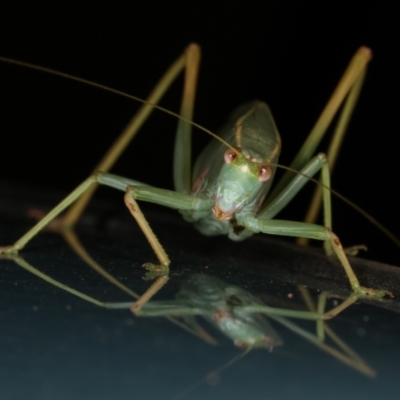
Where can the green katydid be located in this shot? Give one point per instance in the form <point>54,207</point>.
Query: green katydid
<point>227,193</point>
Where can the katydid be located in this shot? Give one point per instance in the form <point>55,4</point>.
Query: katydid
<point>228,192</point>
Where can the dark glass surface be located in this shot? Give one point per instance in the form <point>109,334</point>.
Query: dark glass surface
<point>56,346</point>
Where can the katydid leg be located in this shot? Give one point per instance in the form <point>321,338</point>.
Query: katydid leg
<point>187,60</point>
<point>163,197</point>
<point>334,148</point>
<point>59,208</point>
<point>182,168</point>
<point>316,164</point>
<point>163,267</point>
<point>312,231</point>
<point>93,180</point>
<point>13,250</point>
<point>355,69</point>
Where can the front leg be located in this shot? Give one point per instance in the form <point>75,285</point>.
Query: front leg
<point>312,231</point>
<point>168,198</point>
<point>154,269</point>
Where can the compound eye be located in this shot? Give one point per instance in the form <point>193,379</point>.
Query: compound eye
<point>230,155</point>
<point>265,173</point>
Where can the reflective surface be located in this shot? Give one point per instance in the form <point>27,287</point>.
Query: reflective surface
<point>56,346</point>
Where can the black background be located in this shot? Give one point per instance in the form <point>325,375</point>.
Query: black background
<point>289,54</point>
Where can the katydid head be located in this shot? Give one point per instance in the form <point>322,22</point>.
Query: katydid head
<point>241,183</point>
<point>236,170</point>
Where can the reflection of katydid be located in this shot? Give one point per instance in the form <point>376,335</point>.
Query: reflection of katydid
<point>232,176</point>
<point>231,309</point>
<point>241,317</point>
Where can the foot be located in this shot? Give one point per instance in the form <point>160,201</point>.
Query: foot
<point>155,271</point>
<point>354,250</point>
<point>373,294</point>
<point>359,292</point>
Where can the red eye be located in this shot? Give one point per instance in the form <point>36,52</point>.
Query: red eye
<point>265,173</point>
<point>230,155</point>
